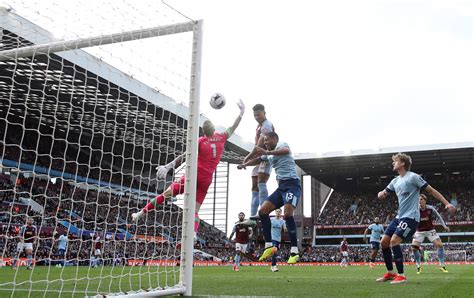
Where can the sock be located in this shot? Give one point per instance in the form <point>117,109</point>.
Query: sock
<point>92,261</point>
<point>291,226</point>
<point>14,262</point>
<point>372,260</point>
<point>294,250</point>
<point>274,260</point>
<point>237,260</point>
<point>254,203</point>
<point>267,227</point>
<point>398,255</point>
<point>262,193</point>
<point>30,257</point>
<point>153,203</point>
<point>417,257</point>
<point>441,256</point>
<point>196,222</point>
<point>387,257</point>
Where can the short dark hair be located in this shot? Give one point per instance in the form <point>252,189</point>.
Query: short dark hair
<point>259,108</point>
<point>242,213</point>
<point>272,134</point>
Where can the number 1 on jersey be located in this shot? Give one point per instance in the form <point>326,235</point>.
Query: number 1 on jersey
<point>214,150</point>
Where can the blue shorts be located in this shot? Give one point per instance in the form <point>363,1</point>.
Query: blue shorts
<point>402,227</point>
<point>288,192</point>
<point>375,245</point>
<point>61,252</point>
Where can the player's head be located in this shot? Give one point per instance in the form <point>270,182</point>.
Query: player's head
<point>29,221</point>
<point>401,160</point>
<point>423,201</point>
<point>278,213</point>
<point>259,112</point>
<point>271,140</point>
<point>241,216</point>
<point>377,220</point>
<point>208,128</point>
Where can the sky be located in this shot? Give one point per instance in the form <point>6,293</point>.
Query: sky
<point>340,75</point>
<point>333,75</point>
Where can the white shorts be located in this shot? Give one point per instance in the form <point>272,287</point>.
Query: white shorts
<point>241,247</point>
<point>263,167</point>
<point>22,246</point>
<point>97,252</point>
<point>345,254</point>
<point>420,236</point>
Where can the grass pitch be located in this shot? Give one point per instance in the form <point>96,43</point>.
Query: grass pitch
<point>316,281</point>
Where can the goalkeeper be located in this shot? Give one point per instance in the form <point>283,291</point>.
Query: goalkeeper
<point>210,149</point>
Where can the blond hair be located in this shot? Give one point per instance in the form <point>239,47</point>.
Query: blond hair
<point>405,158</point>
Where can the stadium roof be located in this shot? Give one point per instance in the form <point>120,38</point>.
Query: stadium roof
<point>44,86</point>
<point>360,163</point>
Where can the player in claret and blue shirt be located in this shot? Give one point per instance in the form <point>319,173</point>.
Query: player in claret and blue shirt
<point>407,186</point>
<point>426,230</point>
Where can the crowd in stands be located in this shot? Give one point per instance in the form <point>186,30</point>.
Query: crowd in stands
<point>95,211</point>
<point>108,213</point>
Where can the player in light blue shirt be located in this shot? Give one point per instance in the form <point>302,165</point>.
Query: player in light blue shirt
<point>376,231</point>
<point>277,225</point>
<point>287,194</point>
<point>407,186</point>
<point>62,247</point>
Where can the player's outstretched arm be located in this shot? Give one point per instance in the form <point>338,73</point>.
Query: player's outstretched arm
<point>252,162</point>
<point>251,232</point>
<point>232,234</point>
<point>231,130</point>
<point>440,219</point>
<point>280,151</point>
<point>440,198</point>
<point>161,171</point>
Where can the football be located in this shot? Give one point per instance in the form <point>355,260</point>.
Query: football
<point>217,101</point>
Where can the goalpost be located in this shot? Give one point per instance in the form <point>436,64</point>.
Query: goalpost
<point>81,134</point>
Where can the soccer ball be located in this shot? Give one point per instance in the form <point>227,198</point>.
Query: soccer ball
<point>217,101</point>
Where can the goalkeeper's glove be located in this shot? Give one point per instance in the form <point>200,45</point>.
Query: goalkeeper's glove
<point>241,106</point>
<point>161,171</point>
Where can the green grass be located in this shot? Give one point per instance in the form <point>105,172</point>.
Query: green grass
<point>250,281</point>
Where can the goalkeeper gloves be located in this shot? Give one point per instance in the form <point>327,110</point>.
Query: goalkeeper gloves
<point>161,171</point>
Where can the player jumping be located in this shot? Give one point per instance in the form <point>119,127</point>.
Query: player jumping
<point>287,194</point>
<point>210,149</point>
<point>407,186</point>
<point>243,233</point>
<point>426,230</point>
<point>376,231</point>
<point>261,172</point>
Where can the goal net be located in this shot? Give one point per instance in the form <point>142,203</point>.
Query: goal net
<point>449,256</point>
<point>94,95</point>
